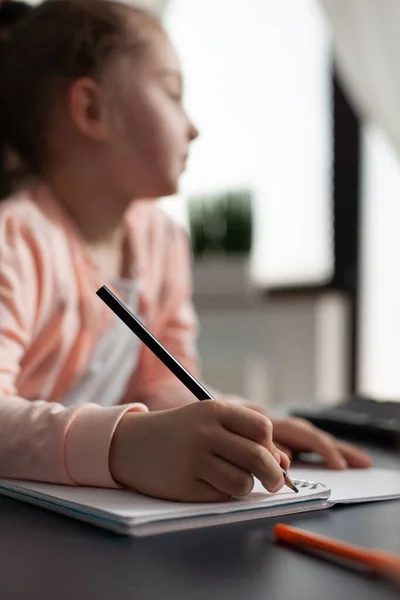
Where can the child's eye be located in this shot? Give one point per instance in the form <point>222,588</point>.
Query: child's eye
<point>174,93</point>
<point>176,96</point>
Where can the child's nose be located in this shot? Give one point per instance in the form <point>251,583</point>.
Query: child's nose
<point>193,132</point>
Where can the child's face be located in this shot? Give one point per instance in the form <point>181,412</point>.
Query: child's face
<point>149,131</point>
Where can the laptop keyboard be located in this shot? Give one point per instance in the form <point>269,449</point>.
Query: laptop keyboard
<point>363,417</point>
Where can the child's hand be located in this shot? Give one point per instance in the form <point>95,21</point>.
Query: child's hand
<point>299,435</point>
<point>206,451</point>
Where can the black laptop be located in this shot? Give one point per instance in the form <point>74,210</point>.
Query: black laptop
<point>365,418</point>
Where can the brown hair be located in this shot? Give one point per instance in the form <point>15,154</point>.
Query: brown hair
<point>55,44</point>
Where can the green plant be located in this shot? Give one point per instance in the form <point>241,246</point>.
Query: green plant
<point>221,223</point>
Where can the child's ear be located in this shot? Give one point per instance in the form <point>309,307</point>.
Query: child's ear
<point>85,105</point>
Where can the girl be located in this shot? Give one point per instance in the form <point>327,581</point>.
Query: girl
<point>91,104</point>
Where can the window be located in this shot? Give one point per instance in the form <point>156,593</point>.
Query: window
<point>258,86</point>
<point>379,343</point>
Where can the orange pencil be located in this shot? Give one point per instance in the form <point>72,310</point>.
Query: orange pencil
<point>378,561</point>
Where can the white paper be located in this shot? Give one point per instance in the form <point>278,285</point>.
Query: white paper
<point>129,507</point>
<point>130,513</point>
<point>354,485</point>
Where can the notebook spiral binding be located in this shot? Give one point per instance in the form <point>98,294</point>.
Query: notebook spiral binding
<point>312,485</point>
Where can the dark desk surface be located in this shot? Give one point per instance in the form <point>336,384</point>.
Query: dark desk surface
<point>44,556</point>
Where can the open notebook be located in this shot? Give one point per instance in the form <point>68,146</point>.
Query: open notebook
<point>130,513</point>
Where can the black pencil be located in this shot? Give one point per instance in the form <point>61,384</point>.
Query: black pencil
<point>161,352</point>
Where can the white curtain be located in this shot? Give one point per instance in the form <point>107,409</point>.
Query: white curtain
<point>366,36</point>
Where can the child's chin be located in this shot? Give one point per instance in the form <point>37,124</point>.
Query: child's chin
<point>159,188</point>
<point>169,188</point>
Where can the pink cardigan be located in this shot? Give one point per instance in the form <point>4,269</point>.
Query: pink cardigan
<point>51,320</point>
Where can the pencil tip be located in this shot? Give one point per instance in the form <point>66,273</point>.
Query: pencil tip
<point>289,482</point>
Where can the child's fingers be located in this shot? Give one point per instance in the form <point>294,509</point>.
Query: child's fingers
<point>284,458</point>
<point>326,446</point>
<point>355,457</point>
<point>284,449</point>
<point>252,425</point>
<point>203,491</point>
<point>281,453</point>
<point>249,456</point>
<point>227,478</point>
<point>280,457</point>
<point>303,436</point>
<point>247,423</point>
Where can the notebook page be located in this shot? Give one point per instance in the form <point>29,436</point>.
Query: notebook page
<point>129,507</point>
<point>354,485</point>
